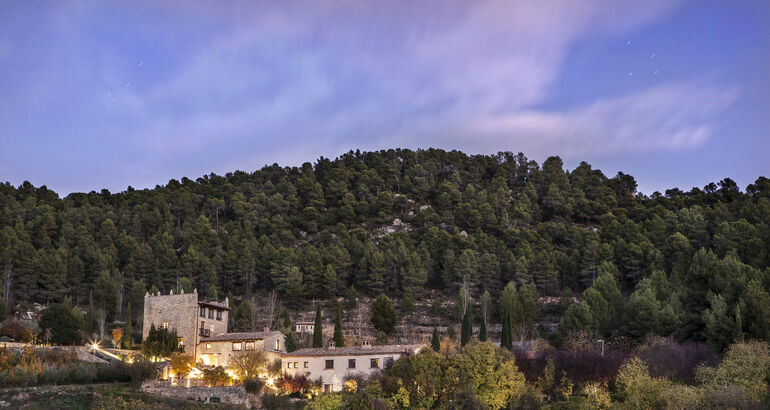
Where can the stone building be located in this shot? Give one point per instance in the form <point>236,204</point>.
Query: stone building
<point>335,365</point>
<point>192,319</point>
<point>217,350</point>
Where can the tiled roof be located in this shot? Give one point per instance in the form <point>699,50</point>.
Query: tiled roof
<point>356,350</point>
<point>240,336</point>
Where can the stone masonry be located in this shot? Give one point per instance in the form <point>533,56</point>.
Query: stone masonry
<point>192,319</point>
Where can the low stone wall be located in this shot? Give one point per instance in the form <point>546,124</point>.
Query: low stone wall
<point>224,394</point>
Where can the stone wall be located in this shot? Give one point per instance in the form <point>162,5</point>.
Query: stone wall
<point>224,394</point>
<point>179,311</point>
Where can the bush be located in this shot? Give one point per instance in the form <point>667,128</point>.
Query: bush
<point>290,384</point>
<point>253,385</point>
<point>142,370</point>
<point>216,376</point>
<point>666,358</point>
<point>745,365</point>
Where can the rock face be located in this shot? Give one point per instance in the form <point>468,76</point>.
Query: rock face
<point>223,394</point>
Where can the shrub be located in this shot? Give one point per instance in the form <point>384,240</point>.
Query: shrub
<point>17,331</point>
<point>142,370</point>
<point>666,358</point>
<point>253,385</point>
<point>327,401</point>
<point>216,376</point>
<point>181,364</point>
<point>635,386</point>
<point>745,365</point>
<point>289,384</point>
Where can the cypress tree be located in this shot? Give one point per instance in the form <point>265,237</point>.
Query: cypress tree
<point>288,341</point>
<point>505,336</point>
<point>435,342</point>
<point>318,336</point>
<point>450,331</point>
<point>483,330</point>
<point>339,340</point>
<point>89,321</point>
<point>467,330</point>
<point>127,342</point>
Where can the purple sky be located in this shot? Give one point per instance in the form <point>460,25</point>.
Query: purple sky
<point>106,94</point>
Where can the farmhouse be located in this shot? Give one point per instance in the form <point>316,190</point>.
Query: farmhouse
<point>334,365</point>
<point>217,350</point>
<point>201,328</point>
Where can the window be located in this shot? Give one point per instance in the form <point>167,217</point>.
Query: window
<point>211,328</point>
<point>250,345</point>
<point>327,388</point>
<point>296,365</point>
<point>306,365</point>
<point>329,364</point>
<point>277,344</point>
<point>288,365</point>
<point>203,311</point>
<point>351,363</point>
<point>164,325</point>
<point>219,315</point>
<point>180,341</point>
<point>374,363</point>
<point>237,346</point>
<point>389,362</point>
<point>211,313</point>
<point>208,346</point>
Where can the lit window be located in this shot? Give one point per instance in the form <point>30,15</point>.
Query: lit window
<point>250,345</point>
<point>329,364</point>
<point>327,388</point>
<point>219,315</point>
<point>180,340</point>
<point>164,325</point>
<point>296,365</point>
<point>288,365</point>
<point>375,363</point>
<point>306,364</point>
<point>351,363</point>
<point>237,346</point>
<point>277,344</point>
<point>208,346</point>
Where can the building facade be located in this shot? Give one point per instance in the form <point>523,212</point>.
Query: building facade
<point>334,366</point>
<point>218,350</point>
<point>192,319</point>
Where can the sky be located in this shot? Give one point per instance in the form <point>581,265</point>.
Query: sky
<point>111,94</point>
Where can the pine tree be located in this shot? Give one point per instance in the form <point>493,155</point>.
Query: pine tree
<point>467,330</point>
<point>295,289</point>
<point>339,340</point>
<point>318,336</point>
<point>407,302</point>
<point>435,341</point>
<point>329,283</point>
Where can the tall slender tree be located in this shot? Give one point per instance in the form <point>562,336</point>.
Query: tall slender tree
<point>435,341</point>
<point>467,329</point>
<point>318,335</point>
<point>339,339</point>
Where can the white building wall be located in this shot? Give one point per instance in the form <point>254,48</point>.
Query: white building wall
<point>316,367</point>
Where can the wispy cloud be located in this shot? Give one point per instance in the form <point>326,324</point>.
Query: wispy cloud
<point>291,82</point>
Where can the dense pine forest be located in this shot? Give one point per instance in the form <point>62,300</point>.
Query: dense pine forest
<point>693,264</point>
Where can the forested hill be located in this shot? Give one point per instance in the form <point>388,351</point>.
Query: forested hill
<point>392,220</point>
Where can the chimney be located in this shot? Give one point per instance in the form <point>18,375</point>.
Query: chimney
<point>331,345</point>
<point>366,343</point>
<point>265,328</point>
